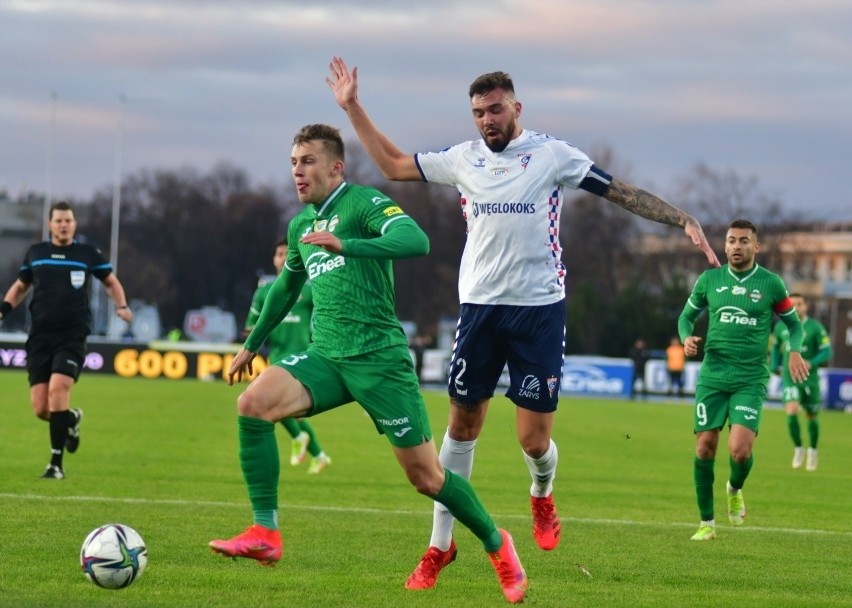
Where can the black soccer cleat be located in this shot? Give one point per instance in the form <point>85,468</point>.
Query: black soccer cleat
<point>53,472</point>
<point>73,441</point>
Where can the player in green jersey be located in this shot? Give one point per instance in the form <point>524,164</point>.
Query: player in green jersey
<point>344,241</point>
<point>292,335</point>
<point>740,299</point>
<point>816,351</point>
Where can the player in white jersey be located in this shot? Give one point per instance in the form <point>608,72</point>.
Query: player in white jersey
<point>511,280</point>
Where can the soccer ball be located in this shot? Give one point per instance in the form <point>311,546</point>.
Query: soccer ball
<point>113,556</point>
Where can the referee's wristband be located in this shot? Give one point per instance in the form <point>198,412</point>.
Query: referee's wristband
<point>6,308</point>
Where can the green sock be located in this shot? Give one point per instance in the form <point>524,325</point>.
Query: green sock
<point>704,475</point>
<point>739,472</point>
<point>813,431</point>
<point>292,426</point>
<point>795,430</point>
<point>314,448</point>
<point>461,500</point>
<point>261,468</point>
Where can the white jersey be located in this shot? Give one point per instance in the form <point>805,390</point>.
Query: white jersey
<point>512,202</point>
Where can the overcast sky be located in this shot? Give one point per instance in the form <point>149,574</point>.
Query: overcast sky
<point>760,87</point>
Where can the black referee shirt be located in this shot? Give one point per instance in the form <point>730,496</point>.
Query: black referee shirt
<point>60,280</point>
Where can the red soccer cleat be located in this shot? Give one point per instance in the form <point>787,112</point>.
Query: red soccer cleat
<point>425,575</point>
<point>546,526</point>
<point>256,542</point>
<point>510,573</point>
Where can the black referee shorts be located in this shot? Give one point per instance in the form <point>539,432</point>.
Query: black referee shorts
<point>57,352</point>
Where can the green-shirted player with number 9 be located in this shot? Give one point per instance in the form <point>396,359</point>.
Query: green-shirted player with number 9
<point>740,299</point>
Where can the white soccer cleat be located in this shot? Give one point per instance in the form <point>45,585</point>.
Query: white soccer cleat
<point>813,461</point>
<point>798,457</point>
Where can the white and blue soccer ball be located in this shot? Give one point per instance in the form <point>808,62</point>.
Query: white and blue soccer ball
<point>113,556</point>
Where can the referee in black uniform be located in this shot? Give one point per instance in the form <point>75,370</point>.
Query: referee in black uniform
<point>58,271</point>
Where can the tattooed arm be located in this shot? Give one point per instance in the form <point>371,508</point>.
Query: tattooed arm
<point>643,203</point>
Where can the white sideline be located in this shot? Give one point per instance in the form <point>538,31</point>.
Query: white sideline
<point>425,513</point>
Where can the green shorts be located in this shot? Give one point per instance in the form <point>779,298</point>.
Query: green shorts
<point>713,406</point>
<point>805,394</point>
<point>383,382</point>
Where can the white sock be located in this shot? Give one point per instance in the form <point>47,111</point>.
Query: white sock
<point>543,471</point>
<point>457,456</point>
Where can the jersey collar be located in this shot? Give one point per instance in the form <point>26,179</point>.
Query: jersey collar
<point>742,277</point>
<point>324,206</point>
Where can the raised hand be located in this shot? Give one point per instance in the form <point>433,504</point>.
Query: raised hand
<point>343,83</point>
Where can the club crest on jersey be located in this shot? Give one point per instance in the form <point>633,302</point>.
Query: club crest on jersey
<point>738,290</point>
<point>525,160</point>
<point>755,295</point>
<point>326,225</point>
<point>78,279</point>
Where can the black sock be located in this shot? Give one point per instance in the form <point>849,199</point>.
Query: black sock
<point>59,424</point>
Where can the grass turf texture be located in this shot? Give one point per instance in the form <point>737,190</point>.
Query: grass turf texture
<point>161,456</point>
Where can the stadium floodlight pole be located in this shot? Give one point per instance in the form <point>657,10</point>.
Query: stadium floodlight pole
<point>48,178</point>
<point>116,185</point>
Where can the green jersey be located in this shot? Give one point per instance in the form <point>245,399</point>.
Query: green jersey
<point>740,306</point>
<point>816,348</point>
<point>354,303</point>
<point>293,334</point>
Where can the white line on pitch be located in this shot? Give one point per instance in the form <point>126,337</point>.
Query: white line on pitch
<point>238,505</point>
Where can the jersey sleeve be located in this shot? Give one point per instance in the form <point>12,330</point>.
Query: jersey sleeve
<point>440,167</point>
<point>397,235</point>
<point>294,261</point>
<point>695,305</point>
<point>25,273</point>
<point>100,266</point>
<point>573,168</point>
<point>783,307</point>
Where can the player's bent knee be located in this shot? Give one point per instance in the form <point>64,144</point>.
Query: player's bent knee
<point>740,455</point>
<point>427,486</point>
<point>252,404</point>
<point>425,481</point>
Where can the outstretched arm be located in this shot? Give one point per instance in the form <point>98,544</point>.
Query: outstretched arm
<point>394,164</point>
<point>403,239</point>
<point>643,203</point>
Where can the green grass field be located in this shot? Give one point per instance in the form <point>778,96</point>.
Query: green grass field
<point>161,456</point>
